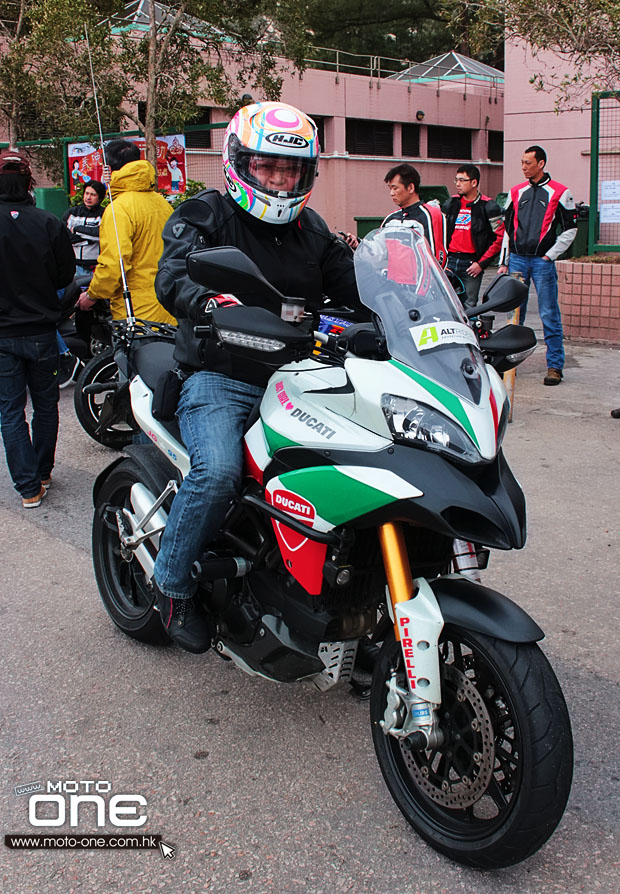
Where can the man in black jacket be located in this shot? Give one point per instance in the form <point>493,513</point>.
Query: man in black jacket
<point>270,160</point>
<point>475,231</point>
<point>36,259</point>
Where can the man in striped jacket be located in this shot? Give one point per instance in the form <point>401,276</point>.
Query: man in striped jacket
<point>541,223</point>
<point>404,182</point>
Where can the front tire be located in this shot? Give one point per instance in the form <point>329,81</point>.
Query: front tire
<point>100,369</point>
<point>125,592</point>
<point>494,792</point>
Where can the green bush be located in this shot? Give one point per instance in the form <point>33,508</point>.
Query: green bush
<point>192,187</point>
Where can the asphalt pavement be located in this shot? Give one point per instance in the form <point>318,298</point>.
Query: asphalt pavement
<point>272,788</point>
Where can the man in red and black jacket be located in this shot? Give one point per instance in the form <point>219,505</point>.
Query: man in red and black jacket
<point>541,223</point>
<point>474,229</point>
<point>404,182</point>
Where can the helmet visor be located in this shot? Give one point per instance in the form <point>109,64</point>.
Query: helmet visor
<point>277,175</point>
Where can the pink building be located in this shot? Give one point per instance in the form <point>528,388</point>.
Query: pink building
<point>368,124</point>
<point>435,115</point>
<point>530,118</point>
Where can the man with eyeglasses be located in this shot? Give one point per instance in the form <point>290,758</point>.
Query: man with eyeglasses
<point>475,231</point>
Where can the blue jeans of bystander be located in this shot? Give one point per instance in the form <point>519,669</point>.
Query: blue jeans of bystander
<point>472,283</point>
<point>212,412</point>
<point>29,363</point>
<point>545,278</point>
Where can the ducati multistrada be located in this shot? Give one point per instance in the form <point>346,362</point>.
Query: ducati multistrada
<point>375,480</point>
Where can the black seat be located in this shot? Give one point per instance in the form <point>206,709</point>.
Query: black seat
<point>153,358</point>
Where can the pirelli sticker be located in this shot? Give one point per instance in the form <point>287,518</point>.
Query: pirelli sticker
<point>433,335</point>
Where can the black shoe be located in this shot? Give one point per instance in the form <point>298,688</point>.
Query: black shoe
<point>69,369</point>
<point>185,622</point>
<point>616,413</point>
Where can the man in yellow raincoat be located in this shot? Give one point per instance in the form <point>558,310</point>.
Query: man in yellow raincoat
<point>140,215</point>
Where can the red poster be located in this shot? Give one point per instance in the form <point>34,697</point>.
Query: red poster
<point>86,163</point>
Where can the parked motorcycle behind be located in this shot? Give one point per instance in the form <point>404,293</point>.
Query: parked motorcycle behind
<point>85,332</point>
<point>368,465</point>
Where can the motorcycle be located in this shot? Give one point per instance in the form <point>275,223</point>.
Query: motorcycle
<point>101,400</point>
<point>85,333</point>
<point>88,335</point>
<point>375,480</point>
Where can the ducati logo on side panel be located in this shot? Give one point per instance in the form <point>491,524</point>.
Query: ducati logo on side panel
<point>294,505</point>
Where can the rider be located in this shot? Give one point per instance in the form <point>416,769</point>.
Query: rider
<point>270,156</point>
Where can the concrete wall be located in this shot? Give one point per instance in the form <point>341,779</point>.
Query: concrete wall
<point>530,118</point>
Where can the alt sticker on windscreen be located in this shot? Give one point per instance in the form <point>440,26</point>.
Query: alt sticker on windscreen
<point>443,333</point>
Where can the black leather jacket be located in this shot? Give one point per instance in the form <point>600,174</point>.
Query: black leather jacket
<point>301,259</point>
<point>36,259</point>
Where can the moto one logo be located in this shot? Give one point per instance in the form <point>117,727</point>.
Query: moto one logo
<point>69,797</point>
<point>287,139</point>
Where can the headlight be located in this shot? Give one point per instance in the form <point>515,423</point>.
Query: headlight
<point>418,424</point>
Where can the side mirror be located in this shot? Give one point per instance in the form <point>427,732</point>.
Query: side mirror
<point>505,293</point>
<point>507,347</point>
<point>226,269</point>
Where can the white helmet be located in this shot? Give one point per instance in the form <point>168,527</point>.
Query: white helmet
<point>271,154</point>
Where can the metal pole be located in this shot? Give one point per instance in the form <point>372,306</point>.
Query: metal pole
<point>126,293</point>
<point>594,147</point>
<point>510,377</point>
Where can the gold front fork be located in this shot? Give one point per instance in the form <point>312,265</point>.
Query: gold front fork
<point>396,564</point>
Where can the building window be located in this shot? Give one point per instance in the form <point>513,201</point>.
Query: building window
<point>319,120</point>
<point>449,142</point>
<point>496,145</point>
<point>369,137</point>
<point>411,140</point>
<point>199,139</point>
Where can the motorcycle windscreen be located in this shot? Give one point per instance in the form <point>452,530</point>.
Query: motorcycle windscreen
<point>425,327</point>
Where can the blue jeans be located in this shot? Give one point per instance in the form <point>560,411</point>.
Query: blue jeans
<point>212,412</point>
<point>545,278</point>
<point>472,283</point>
<point>29,363</point>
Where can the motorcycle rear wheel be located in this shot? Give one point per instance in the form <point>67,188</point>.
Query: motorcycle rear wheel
<point>101,368</point>
<point>123,587</point>
<point>494,792</point>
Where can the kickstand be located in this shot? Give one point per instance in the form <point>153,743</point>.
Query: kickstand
<point>360,689</point>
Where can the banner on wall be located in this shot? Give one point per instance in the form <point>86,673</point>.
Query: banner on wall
<point>86,163</point>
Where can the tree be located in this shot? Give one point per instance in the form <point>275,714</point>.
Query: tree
<point>203,49</point>
<point>45,81</point>
<point>412,30</point>
<point>584,34</point>
<point>193,50</point>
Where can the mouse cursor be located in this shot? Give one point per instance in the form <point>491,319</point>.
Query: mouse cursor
<point>167,850</point>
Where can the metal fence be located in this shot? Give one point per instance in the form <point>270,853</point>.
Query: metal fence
<point>604,223</point>
<point>204,162</point>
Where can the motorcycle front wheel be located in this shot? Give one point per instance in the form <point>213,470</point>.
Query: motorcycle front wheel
<point>122,583</point>
<point>495,790</point>
<point>100,369</point>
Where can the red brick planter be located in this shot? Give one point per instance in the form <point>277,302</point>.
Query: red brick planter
<point>589,295</point>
